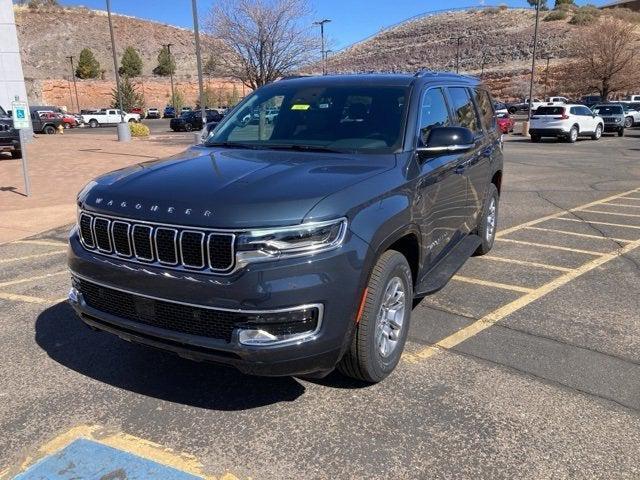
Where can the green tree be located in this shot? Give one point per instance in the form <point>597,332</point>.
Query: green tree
<point>130,96</point>
<point>177,101</point>
<point>564,2</point>
<point>166,63</point>
<point>131,63</point>
<point>543,3</point>
<point>88,66</point>
<point>211,66</point>
<point>233,97</point>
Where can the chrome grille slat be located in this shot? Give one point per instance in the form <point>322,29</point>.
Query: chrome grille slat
<point>176,247</point>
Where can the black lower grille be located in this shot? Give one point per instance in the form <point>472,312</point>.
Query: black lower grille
<point>171,316</point>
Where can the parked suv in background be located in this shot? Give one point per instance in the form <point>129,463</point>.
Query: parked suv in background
<point>192,120</point>
<point>631,114</point>
<point>565,122</point>
<point>613,117</point>
<point>9,137</point>
<point>297,246</point>
<point>153,113</point>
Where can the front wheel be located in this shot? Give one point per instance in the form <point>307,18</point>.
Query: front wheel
<point>628,122</point>
<point>573,135</point>
<point>188,127</point>
<point>597,134</point>
<point>49,130</point>
<point>16,154</point>
<point>66,126</point>
<point>535,138</point>
<point>93,123</point>
<point>381,330</point>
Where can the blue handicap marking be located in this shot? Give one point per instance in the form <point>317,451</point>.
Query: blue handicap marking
<point>88,460</point>
<point>20,113</point>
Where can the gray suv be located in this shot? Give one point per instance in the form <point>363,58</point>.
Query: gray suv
<point>613,116</point>
<point>296,244</point>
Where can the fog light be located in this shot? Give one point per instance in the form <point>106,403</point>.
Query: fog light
<point>73,295</point>
<point>272,328</point>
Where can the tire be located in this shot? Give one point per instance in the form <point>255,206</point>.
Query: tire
<point>132,120</point>
<point>16,154</point>
<point>66,126</point>
<point>188,127</point>
<point>93,123</point>
<point>49,129</point>
<point>512,110</point>
<point>535,138</point>
<point>621,132</point>
<point>572,137</point>
<point>373,353</point>
<point>488,221</point>
<point>598,133</point>
<point>628,122</point>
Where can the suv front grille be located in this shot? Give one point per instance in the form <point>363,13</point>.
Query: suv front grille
<point>171,246</point>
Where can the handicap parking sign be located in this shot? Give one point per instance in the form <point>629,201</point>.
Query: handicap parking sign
<point>20,115</point>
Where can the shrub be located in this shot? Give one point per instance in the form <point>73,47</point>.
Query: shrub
<point>503,6</point>
<point>138,129</point>
<point>556,15</point>
<point>625,14</point>
<point>491,10</point>
<point>584,16</point>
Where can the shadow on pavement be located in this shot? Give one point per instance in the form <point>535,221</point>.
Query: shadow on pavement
<point>154,373</point>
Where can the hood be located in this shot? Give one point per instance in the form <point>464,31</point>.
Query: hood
<point>230,188</point>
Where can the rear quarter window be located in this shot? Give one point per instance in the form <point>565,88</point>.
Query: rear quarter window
<point>485,106</point>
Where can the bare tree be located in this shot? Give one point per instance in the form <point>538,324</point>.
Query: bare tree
<point>265,39</point>
<point>607,58</point>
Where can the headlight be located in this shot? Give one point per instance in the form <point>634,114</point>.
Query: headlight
<point>304,239</point>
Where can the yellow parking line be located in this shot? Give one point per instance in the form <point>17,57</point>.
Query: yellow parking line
<point>589,222</point>
<point>31,279</point>
<point>554,247</point>
<point>576,234</point>
<point>559,214</point>
<point>620,205</point>
<point>41,242</point>
<point>502,312</point>
<point>26,298</point>
<point>630,198</point>
<point>612,213</point>
<point>526,263</point>
<point>29,257</point>
<point>486,283</point>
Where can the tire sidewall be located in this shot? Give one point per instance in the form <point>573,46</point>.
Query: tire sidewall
<point>481,230</point>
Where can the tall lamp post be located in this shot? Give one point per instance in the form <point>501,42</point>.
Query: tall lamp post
<point>458,54</point>
<point>196,30</point>
<point>75,86</point>
<point>322,51</point>
<point>533,60</point>
<point>173,94</point>
<point>124,135</point>
<point>546,75</point>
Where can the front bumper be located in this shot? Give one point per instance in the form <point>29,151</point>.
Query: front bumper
<point>332,279</point>
<point>8,144</point>
<point>613,127</point>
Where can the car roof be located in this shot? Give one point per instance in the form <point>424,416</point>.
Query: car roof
<point>387,79</point>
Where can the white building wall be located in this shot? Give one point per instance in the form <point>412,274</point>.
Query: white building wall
<point>11,77</point>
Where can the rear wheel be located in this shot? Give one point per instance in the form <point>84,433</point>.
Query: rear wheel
<point>535,138</point>
<point>49,129</point>
<point>188,127</point>
<point>16,153</point>
<point>66,125</point>
<point>488,222</point>
<point>381,332</point>
<point>597,134</point>
<point>621,132</point>
<point>93,123</point>
<point>628,122</point>
<point>573,135</point>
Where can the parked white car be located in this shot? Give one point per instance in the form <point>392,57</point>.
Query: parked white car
<point>631,116</point>
<point>565,122</point>
<point>108,116</point>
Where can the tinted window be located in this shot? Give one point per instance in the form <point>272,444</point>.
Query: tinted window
<point>337,117</point>
<point>2,112</point>
<point>554,111</point>
<point>463,109</point>
<point>584,111</point>
<point>433,112</point>
<point>608,109</point>
<point>483,101</point>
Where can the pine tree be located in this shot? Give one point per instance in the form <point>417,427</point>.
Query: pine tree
<point>88,66</point>
<point>130,96</point>
<point>131,63</point>
<point>166,64</point>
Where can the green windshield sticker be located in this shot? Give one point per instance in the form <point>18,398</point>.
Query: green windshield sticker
<point>300,106</point>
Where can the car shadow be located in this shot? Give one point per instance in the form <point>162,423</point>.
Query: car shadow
<point>154,373</point>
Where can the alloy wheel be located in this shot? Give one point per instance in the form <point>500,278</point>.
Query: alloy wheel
<point>390,317</point>
<point>490,229</point>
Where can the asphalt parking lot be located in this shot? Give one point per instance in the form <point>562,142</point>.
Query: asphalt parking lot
<point>527,365</point>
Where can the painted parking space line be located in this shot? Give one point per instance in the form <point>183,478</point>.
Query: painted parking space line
<point>31,257</point>
<point>48,243</point>
<point>577,234</point>
<point>487,283</point>
<point>526,263</point>
<point>492,318</point>
<point>93,452</point>
<point>630,198</point>
<point>14,297</point>
<point>612,213</point>
<point>553,247</point>
<point>621,205</point>
<point>607,224</point>
<point>32,279</point>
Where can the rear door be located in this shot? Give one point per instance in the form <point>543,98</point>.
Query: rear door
<point>587,122</point>
<point>441,190</point>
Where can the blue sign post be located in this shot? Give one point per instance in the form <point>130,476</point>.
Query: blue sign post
<point>22,123</point>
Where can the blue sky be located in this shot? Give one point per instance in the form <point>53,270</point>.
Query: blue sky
<point>352,20</point>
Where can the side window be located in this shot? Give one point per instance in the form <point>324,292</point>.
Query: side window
<point>463,109</point>
<point>433,112</point>
<point>585,111</point>
<point>485,105</point>
<point>573,111</point>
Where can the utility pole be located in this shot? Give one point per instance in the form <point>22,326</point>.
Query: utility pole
<point>322,51</point>
<point>173,93</point>
<point>533,60</point>
<point>75,86</point>
<point>484,61</point>
<point>546,76</point>
<point>458,54</point>
<point>124,135</point>
<point>196,31</point>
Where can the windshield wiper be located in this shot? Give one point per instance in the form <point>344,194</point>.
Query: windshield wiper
<point>230,145</point>
<point>303,148</point>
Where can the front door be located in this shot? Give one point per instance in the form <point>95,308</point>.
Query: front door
<point>441,188</point>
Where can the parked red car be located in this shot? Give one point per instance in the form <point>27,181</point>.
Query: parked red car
<point>139,111</point>
<point>505,123</point>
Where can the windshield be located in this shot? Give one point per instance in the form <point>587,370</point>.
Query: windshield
<point>550,111</point>
<point>608,109</point>
<point>3,113</point>
<point>369,118</point>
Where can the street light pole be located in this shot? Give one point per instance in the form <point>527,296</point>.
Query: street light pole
<point>196,31</point>
<point>124,135</point>
<point>322,51</point>
<point>75,86</point>
<point>546,76</point>
<point>533,60</point>
<point>173,94</point>
<point>458,54</point>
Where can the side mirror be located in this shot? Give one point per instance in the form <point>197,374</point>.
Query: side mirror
<point>446,139</point>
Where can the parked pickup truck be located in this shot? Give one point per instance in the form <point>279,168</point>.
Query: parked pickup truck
<point>110,116</point>
<point>9,137</point>
<point>299,246</point>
